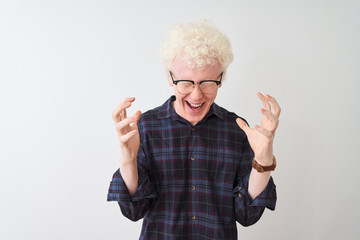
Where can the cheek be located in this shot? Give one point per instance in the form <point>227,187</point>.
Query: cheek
<point>211,98</point>
<point>179,97</point>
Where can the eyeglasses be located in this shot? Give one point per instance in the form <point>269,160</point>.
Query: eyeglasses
<point>187,86</point>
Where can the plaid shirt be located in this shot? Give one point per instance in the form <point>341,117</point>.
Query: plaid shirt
<point>193,180</point>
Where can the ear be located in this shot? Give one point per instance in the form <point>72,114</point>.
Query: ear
<point>222,78</point>
<point>168,77</point>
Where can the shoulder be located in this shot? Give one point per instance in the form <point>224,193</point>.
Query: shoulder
<point>149,117</point>
<point>228,122</point>
<point>155,115</point>
<point>228,116</point>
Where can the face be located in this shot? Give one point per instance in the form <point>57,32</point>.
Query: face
<point>193,106</point>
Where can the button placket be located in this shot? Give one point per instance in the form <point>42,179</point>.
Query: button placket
<point>194,172</point>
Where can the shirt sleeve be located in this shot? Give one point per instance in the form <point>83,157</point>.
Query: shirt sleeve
<point>247,210</point>
<point>133,207</point>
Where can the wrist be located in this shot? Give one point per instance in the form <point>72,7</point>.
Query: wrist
<point>264,168</point>
<point>128,158</point>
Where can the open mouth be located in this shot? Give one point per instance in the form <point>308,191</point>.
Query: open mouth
<point>194,106</point>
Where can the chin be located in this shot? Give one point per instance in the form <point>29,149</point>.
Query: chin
<point>196,113</point>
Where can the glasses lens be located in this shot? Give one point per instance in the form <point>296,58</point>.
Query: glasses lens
<point>185,87</point>
<point>208,87</point>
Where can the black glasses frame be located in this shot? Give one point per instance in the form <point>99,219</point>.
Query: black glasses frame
<point>193,82</point>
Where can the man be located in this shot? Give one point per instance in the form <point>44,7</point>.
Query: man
<point>191,168</point>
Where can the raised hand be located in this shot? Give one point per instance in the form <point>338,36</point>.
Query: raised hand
<point>261,137</point>
<point>127,130</point>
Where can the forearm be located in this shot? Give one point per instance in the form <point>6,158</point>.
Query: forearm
<point>129,173</point>
<point>257,182</point>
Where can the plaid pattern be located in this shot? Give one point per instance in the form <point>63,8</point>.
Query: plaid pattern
<point>193,180</point>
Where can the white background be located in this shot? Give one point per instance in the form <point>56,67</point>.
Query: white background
<point>65,65</point>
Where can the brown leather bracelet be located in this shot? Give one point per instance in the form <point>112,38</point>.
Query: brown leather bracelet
<point>261,169</point>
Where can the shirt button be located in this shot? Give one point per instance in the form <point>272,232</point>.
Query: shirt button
<point>193,129</point>
<point>240,195</point>
<point>192,158</point>
<point>240,188</point>
<point>193,188</point>
<point>193,217</point>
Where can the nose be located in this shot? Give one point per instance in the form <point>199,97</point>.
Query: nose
<point>196,93</point>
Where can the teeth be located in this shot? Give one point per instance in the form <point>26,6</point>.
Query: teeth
<point>194,105</point>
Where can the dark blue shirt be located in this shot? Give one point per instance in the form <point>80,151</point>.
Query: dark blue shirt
<point>193,180</point>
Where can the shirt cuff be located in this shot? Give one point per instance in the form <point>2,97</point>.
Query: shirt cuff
<point>119,192</point>
<point>265,199</point>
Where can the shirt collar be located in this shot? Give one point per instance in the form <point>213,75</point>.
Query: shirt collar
<point>167,111</point>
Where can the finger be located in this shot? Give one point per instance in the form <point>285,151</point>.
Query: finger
<point>120,113</point>
<point>264,101</point>
<point>123,139</point>
<point>278,108</point>
<point>122,125</point>
<point>263,131</point>
<point>136,116</point>
<point>269,115</point>
<point>126,103</point>
<point>275,106</point>
<point>242,124</point>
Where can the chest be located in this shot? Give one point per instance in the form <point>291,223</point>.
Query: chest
<point>187,155</point>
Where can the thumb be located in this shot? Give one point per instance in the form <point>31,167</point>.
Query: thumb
<point>137,116</point>
<point>243,125</point>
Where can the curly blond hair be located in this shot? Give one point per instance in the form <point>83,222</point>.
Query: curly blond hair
<point>199,44</point>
